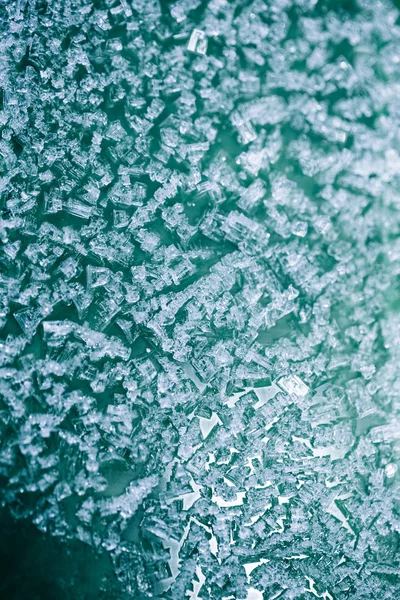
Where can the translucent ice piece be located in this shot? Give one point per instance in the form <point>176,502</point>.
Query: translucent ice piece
<point>390,470</point>
<point>120,218</point>
<point>252,195</point>
<point>126,8</point>
<point>244,127</point>
<point>97,276</point>
<point>53,202</point>
<point>198,42</point>
<point>58,328</point>
<point>77,208</point>
<point>246,132</point>
<point>106,311</point>
<point>28,319</point>
<point>293,385</point>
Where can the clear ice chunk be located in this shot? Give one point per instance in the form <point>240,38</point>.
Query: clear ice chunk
<point>198,42</point>
<point>28,319</point>
<point>292,384</point>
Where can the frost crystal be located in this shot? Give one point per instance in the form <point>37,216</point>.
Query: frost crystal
<point>293,385</point>
<point>198,42</point>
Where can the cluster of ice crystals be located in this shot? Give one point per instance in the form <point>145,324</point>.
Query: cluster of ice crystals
<point>200,291</point>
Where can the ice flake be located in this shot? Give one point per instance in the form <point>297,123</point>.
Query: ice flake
<point>198,42</point>
<point>97,276</point>
<point>292,384</point>
<point>237,501</point>
<point>28,319</point>
<point>77,208</point>
<point>390,470</point>
<point>244,128</point>
<point>207,425</point>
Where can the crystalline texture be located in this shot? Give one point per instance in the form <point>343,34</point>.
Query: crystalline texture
<point>199,308</point>
<point>197,42</point>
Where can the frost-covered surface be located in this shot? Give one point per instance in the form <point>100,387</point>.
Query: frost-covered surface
<point>200,288</point>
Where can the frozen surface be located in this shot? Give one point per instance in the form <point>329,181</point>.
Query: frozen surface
<point>200,307</point>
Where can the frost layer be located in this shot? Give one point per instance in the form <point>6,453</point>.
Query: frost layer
<point>200,291</point>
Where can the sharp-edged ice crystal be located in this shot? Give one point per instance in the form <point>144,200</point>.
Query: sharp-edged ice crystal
<point>293,385</point>
<point>198,42</point>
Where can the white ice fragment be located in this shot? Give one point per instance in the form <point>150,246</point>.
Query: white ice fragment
<point>253,594</point>
<point>299,228</point>
<point>121,219</point>
<point>190,498</point>
<point>258,516</point>
<point>97,276</point>
<point>269,110</point>
<point>293,385</point>
<point>207,425</point>
<point>197,585</point>
<point>28,319</point>
<point>53,202</point>
<point>127,503</point>
<point>312,590</point>
<point>332,451</point>
<point>332,484</point>
<point>237,227</point>
<point>198,42</point>
<point>249,567</point>
<point>390,470</point>
<point>126,8</point>
<point>244,128</point>
<point>238,501</point>
<point>116,131</point>
<point>236,396</point>
<point>191,374</point>
<point>283,499</point>
<point>335,511</point>
<point>246,132</point>
<point>264,394</point>
<point>58,328</point>
<point>77,209</point>
<point>388,433</point>
<point>252,195</point>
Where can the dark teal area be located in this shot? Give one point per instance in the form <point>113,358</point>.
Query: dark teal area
<point>38,566</point>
